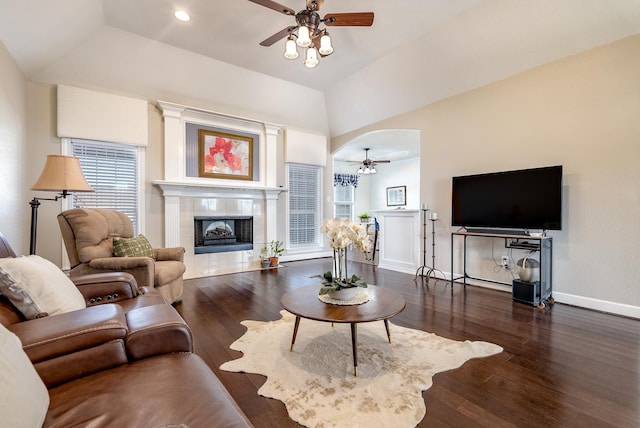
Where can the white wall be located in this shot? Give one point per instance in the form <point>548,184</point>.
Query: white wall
<point>397,173</point>
<point>14,160</point>
<point>582,112</point>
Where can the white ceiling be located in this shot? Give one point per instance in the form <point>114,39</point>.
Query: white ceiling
<point>232,30</point>
<point>386,144</point>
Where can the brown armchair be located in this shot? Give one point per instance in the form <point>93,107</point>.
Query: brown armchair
<point>88,237</point>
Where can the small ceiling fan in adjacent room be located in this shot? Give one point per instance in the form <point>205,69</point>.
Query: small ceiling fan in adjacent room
<point>307,33</point>
<point>368,166</point>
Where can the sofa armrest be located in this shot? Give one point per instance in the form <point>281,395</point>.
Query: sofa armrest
<point>68,346</point>
<point>156,330</point>
<point>106,287</point>
<point>174,253</point>
<point>52,336</point>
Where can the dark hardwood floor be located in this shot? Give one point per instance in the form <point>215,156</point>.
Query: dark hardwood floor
<point>561,367</point>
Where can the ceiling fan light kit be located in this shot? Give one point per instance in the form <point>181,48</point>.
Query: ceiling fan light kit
<point>325,45</point>
<point>311,58</point>
<point>368,165</point>
<point>304,40</point>
<point>307,34</point>
<point>366,170</point>
<point>290,51</point>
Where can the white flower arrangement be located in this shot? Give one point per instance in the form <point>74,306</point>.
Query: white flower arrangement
<point>343,234</point>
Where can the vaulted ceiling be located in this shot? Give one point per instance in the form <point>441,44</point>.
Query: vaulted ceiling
<point>416,51</point>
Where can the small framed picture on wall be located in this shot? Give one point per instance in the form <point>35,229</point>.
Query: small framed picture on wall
<point>396,196</point>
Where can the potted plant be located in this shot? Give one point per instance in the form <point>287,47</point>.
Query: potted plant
<point>264,259</point>
<point>275,249</point>
<point>364,217</point>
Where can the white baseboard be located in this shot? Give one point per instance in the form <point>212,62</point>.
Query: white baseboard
<point>598,305</point>
<point>571,299</point>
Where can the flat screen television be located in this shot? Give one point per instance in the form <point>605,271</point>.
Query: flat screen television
<point>518,200</point>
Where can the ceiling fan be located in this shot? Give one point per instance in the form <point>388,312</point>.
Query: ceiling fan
<point>368,166</point>
<point>307,32</point>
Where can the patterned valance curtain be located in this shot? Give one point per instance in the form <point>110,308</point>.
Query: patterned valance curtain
<point>345,180</point>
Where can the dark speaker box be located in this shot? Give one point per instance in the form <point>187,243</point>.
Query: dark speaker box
<point>526,292</point>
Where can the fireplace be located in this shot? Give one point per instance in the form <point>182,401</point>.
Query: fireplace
<point>222,234</point>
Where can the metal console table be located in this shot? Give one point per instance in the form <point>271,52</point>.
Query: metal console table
<point>542,244</point>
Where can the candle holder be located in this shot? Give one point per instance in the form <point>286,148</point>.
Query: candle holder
<point>430,270</point>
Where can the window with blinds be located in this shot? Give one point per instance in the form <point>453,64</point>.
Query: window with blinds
<point>343,198</point>
<point>304,205</point>
<point>112,170</point>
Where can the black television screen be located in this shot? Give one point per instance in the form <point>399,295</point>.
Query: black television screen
<point>522,199</point>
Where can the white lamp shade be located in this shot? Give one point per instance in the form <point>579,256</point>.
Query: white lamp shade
<point>62,173</point>
<point>312,58</point>
<point>325,45</point>
<point>290,50</point>
<point>304,39</point>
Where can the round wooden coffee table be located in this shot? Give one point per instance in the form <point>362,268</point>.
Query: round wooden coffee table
<point>304,303</point>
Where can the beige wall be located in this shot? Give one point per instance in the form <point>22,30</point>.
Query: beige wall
<point>582,112</point>
<point>42,141</point>
<point>14,210</point>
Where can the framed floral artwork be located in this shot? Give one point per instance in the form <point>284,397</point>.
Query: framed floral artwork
<point>224,155</point>
<point>396,196</point>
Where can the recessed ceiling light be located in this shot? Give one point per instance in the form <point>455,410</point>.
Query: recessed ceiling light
<point>182,15</point>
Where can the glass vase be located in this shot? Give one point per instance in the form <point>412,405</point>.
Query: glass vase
<point>340,272</point>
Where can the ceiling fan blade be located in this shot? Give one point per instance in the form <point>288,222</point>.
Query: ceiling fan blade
<point>314,4</point>
<point>358,19</point>
<point>275,6</point>
<point>279,35</point>
<point>381,161</point>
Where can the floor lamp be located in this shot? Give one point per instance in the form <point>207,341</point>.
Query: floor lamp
<point>60,174</point>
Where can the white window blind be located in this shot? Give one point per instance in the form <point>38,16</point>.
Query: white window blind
<point>304,205</point>
<point>112,170</point>
<point>343,201</point>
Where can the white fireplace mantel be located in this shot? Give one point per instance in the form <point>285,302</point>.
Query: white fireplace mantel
<point>183,189</point>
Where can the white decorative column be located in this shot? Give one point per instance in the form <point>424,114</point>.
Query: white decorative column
<point>174,148</point>
<point>172,219</point>
<point>271,151</point>
<point>271,202</point>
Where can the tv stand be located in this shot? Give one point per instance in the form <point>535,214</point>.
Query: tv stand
<point>542,244</point>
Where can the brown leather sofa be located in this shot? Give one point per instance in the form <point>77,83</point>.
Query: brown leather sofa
<point>88,235</point>
<point>125,360</point>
